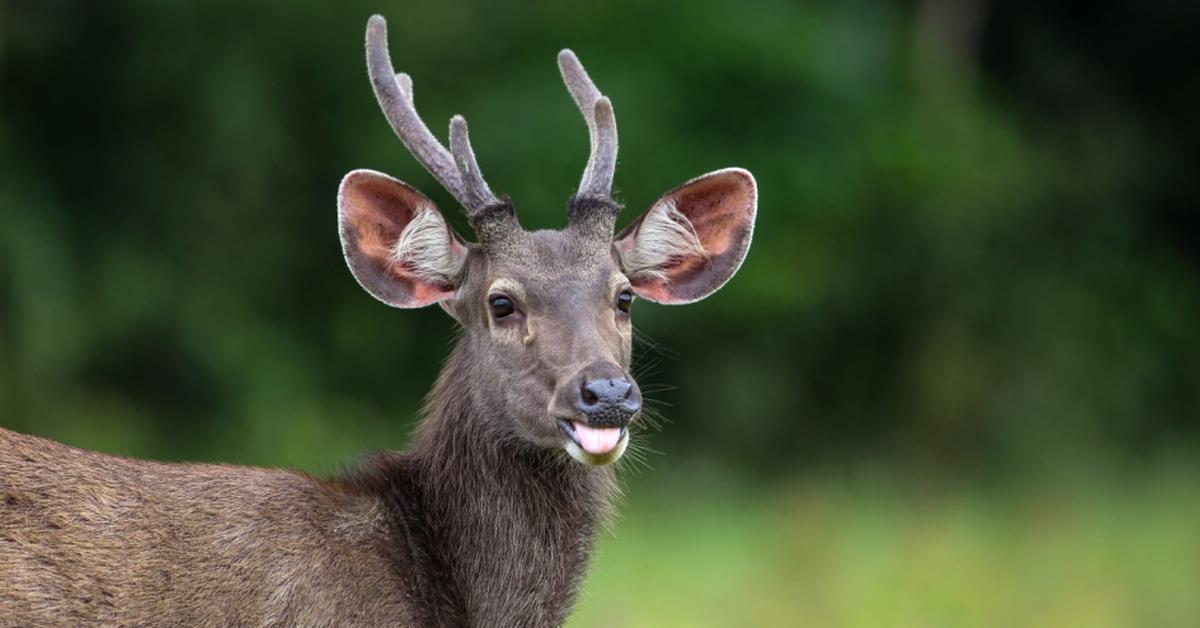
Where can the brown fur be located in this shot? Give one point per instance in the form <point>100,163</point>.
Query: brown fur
<point>90,538</point>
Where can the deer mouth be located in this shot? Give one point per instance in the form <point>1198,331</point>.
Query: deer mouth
<point>595,446</point>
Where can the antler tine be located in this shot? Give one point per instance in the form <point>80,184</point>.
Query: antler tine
<point>406,88</point>
<point>603,162</point>
<point>602,126</point>
<point>474,187</point>
<point>395,95</point>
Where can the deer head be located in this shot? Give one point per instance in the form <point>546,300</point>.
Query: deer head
<point>545,314</point>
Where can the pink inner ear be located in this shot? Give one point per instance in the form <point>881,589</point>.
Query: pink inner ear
<point>720,206</point>
<point>375,209</point>
<point>378,214</point>
<point>653,289</point>
<point>426,293</point>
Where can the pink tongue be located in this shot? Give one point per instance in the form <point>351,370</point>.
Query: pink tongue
<point>597,440</point>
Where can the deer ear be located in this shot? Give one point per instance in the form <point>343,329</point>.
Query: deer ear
<point>692,240</point>
<point>396,241</point>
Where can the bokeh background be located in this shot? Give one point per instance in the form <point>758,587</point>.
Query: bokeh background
<point>956,383</point>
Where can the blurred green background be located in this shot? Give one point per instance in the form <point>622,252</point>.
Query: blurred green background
<point>956,383</point>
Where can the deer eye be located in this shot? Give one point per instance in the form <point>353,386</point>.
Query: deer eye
<point>624,300</point>
<point>501,305</point>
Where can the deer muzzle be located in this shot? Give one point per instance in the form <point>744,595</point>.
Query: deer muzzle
<point>595,409</point>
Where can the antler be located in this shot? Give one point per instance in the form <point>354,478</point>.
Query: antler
<point>602,126</point>
<point>455,169</point>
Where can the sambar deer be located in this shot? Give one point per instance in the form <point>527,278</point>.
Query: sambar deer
<point>488,519</point>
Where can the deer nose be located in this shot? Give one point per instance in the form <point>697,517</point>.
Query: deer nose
<point>603,391</point>
<point>608,401</point>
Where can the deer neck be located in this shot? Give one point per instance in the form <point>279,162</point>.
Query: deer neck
<point>505,528</point>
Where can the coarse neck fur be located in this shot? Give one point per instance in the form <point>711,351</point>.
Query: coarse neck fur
<point>490,531</point>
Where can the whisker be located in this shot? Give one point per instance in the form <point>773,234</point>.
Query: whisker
<point>650,343</point>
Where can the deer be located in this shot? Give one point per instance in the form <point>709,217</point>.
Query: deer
<point>489,517</point>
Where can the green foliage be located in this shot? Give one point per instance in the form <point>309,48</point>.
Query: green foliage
<point>943,271</point>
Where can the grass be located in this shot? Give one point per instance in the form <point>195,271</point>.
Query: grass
<point>1094,553</point>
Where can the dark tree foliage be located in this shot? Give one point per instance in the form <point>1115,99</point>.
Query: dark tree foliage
<point>977,240</point>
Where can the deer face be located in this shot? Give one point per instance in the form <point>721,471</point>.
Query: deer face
<point>547,319</point>
<point>546,314</point>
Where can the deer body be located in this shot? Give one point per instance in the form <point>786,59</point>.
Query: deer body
<point>87,538</point>
<point>488,519</point>
<point>441,535</point>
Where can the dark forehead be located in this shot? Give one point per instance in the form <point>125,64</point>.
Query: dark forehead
<point>551,258</point>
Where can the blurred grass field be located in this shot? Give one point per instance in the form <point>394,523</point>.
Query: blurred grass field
<point>872,552</point>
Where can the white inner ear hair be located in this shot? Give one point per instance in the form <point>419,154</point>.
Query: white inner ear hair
<point>665,238</point>
<point>423,248</point>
